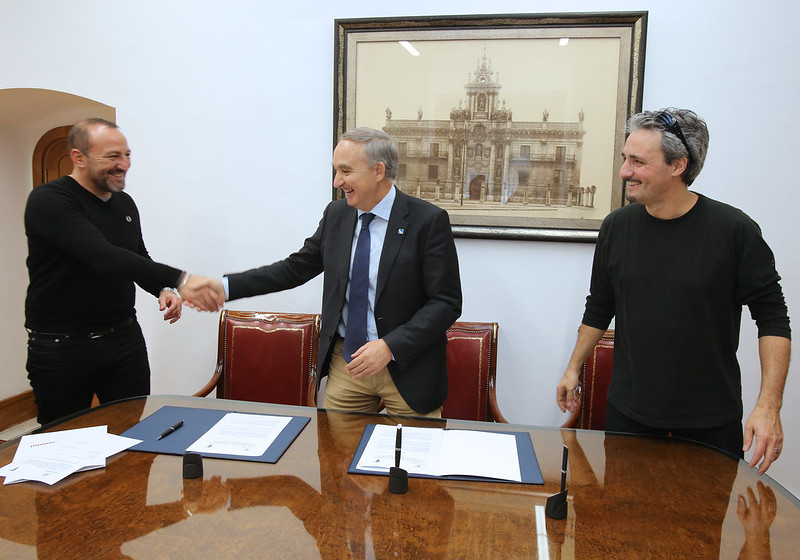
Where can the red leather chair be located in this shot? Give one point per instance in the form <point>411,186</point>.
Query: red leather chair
<point>471,371</point>
<point>594,382</point>
<point>266,357</point>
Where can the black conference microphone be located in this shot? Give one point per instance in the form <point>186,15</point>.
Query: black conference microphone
<point>556,507</point>
<point>192,465</point>
<point>398,478</point>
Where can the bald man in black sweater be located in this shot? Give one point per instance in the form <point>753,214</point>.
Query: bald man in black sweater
<point>85,252</point>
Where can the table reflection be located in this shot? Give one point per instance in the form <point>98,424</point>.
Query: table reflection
<point>378,523</point>
<point>627,520</point>
<point>69,526</point>
<point>629,497</point>
<point>350,516</point>
<point>756,515</point>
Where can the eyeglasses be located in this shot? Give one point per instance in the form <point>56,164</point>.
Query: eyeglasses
<point>670,124</point>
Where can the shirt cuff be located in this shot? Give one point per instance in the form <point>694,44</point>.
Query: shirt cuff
<point>225,287</point>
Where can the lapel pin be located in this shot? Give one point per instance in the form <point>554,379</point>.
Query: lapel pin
<point>401,231</point>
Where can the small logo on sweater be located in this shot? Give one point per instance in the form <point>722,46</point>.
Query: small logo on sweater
<point>128,219</point>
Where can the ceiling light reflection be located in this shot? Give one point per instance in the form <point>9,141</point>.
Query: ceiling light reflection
<point>409,47</point>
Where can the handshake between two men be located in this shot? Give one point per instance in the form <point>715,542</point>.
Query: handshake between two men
<point>200,293</point>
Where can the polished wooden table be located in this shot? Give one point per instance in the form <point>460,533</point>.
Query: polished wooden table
<point>629,497</point>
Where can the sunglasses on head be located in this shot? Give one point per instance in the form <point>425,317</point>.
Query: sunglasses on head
<point>670,124</point>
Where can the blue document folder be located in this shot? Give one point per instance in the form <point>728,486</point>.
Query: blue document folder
<point>196,422</point>
<point>528,465</point>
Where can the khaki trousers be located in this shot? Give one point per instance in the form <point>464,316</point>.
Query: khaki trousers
<point>364,395</point>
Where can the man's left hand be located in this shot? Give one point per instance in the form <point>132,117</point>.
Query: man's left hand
<point>369,359</point>
<point>171,302</point>
<point>765,425</point>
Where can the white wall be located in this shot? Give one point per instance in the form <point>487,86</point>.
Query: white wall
<point>228,113</point>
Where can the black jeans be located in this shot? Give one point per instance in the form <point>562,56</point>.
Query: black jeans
<point>66,372</point>
<point>728,438</point>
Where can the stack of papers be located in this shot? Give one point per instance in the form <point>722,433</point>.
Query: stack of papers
<point>440,452</point>
<point>52,456</point>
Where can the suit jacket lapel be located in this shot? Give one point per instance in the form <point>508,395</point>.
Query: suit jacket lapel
<point>344,246</point>
<point>396,232</point>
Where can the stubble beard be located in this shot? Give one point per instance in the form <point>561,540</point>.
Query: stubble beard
<point>106,183</point>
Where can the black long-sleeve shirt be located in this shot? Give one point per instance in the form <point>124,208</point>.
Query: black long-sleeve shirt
<point>84,254</point>
<point>677,288</point>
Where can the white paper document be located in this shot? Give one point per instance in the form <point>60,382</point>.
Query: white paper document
<point>52,456</point>
<point>439,452</point>
<point>249,435</point>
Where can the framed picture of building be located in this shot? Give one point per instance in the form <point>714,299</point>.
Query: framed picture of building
<point>512,123</point>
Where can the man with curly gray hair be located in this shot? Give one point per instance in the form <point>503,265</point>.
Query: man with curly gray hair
<point>675,268</point>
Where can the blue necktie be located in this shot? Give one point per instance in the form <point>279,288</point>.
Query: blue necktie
<point>356,330</point>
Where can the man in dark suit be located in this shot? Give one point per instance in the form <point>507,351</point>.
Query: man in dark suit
<point>413,293</point>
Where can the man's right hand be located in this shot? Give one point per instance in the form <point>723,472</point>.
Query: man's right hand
<point>203,294</point>
<point>568,392</point>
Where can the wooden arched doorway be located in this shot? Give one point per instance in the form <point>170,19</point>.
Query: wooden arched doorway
<point>50,161</point>
<point>476,186</point>
<point>51,156</point>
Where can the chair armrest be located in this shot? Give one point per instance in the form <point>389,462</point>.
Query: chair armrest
<point>494,409</point>
<point>311,397</point>
<point>212,384</point>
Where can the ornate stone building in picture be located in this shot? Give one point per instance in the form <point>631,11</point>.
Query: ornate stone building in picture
<point>480,156</point>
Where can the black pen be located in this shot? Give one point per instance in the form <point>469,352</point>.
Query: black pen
<point>397,444</point>
<point>171,429</point>
<point>564,469</point>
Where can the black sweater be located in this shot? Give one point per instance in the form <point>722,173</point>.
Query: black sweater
<point>677,288</point>
<point>84,254</point>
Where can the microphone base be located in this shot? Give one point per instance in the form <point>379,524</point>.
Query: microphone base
<point>556,507</point>
<point>192,465</point>
<point>398,480</point>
